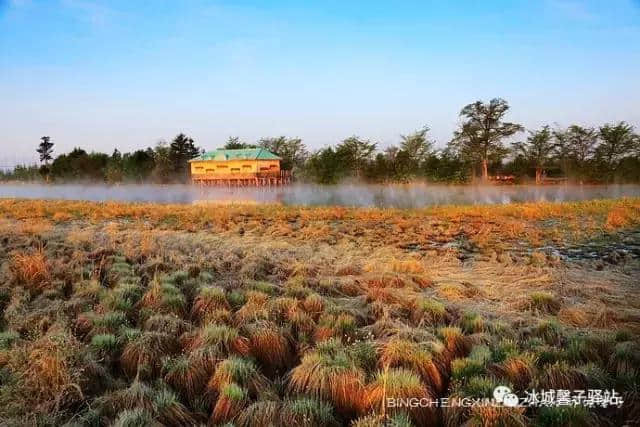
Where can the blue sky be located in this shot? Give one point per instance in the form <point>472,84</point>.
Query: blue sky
<point>101,74</point>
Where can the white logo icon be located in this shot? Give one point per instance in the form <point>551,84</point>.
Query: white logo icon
<point>502,394</point>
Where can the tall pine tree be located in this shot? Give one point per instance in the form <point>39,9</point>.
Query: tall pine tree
<point>181,150</point>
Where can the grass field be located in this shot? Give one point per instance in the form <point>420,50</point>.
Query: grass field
<point>141,314</point>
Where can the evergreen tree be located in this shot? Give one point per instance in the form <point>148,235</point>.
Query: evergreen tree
<point>45,149</point>
<point>181,150</point>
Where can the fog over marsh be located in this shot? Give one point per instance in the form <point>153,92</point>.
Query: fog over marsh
<point>398,196</point>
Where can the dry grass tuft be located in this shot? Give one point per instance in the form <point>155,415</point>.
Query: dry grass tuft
<point>170,411</point>
<point>561,375</point>
<point>269,345</point>
<point>52,370</point>
<point>232,400</point>
<point>542,303</point>
<point>518,370</point>
<point>188,374</point>
<point>32,270</point>
<point>143,356</point>
<point>604,318</point>
<point>456,343</point>
<point>428,311</point>
<point>617,218</point>
<point>401,353</point>
<point>241,371</point>
<point>407,266</point>
<point>164,297</point>
<point>209,300</point>
<point>329,373</point>
<point>214,342</point>
<point>401,384</point>
<point>494,416</point>
<point>574,316</point>
<point>456,292</point>
<point>313,304</point>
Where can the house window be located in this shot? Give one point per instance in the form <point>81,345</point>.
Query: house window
<point>273,166</point>
<point>209,170</point>
<point>199,168</point>
<point>246,166</point>
<point>222,166</point>
<point>235,169</point>
<point>263,168</point>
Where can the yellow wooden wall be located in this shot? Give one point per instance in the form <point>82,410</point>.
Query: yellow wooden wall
<point>211,167</point>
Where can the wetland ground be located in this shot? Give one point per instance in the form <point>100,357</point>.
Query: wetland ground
<point>156,314</point>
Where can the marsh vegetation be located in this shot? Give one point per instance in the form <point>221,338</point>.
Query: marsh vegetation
<point>140,314</point>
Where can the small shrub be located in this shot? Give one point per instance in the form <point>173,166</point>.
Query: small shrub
<point>364,355</point>
<point>481,354</point>
<point>236,299</point>
<point>504,349</point>
<point>623,335</point>
<point>178,277</point>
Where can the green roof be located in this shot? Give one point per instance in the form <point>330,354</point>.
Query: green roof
<point>240,154</point>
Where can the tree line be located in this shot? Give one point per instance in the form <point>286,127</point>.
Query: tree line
<point>485,144</point>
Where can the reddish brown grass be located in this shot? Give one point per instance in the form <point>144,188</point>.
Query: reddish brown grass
<point>32,270</point>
